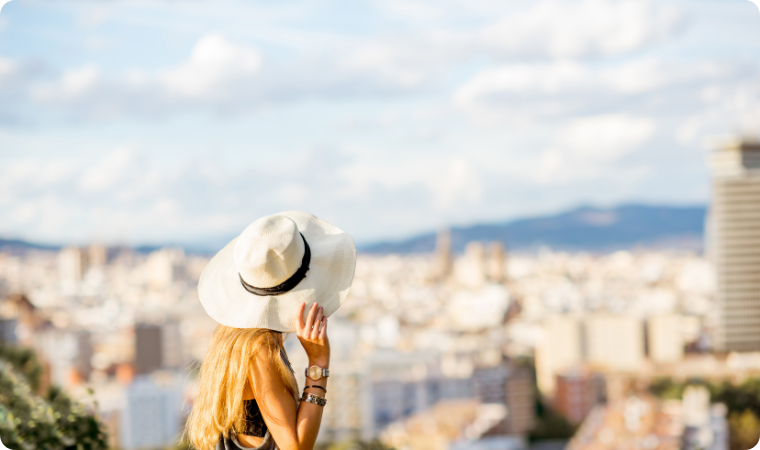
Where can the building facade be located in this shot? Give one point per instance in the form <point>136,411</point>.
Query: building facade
<point>734,244</point>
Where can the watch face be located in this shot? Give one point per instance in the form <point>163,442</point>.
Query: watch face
<point>315,372</point>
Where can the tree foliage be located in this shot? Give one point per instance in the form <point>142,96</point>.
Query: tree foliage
<point>28,421</point>
<point>25,361</point>
<point>550,424</point>
<point>742,401</point>
<point>744,428</point>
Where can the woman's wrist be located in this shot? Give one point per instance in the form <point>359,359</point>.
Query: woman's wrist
<point>320,362</point>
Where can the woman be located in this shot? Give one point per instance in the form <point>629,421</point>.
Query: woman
<point>285,272</point>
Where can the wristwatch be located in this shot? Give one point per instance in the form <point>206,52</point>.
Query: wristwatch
<point>316,372</point>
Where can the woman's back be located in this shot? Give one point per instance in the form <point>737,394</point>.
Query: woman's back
<point>254,424</point>
<point>257,287</point>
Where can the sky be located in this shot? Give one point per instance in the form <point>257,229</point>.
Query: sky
<point>143,122</point>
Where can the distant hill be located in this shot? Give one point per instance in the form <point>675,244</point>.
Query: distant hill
<point>582,229</point>
<point>19,245</point>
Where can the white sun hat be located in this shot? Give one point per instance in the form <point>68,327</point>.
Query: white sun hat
<point>260,279</point>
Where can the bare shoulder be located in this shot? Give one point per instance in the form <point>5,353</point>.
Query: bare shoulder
<point>264,374</point>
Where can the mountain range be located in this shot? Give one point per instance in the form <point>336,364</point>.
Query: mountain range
<point>585,228</point>
<point>582,229</point>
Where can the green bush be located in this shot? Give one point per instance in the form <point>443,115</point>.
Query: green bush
<point>25,362</point>
<point>741,400</point>
<point>549,424</point>
<point>29,422</point>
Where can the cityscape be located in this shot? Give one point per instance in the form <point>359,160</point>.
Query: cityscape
<point>645,348</point>
<point>555,207</point>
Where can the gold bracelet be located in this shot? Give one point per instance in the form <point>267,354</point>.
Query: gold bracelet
<point>311,398</point>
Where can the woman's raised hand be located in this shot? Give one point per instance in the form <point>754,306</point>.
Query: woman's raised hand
<point>313,335</point>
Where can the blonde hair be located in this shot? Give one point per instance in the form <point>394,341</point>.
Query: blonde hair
<point>218,408</point>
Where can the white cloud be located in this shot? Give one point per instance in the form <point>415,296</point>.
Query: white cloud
<point>109,171</point>
<point>564,29</point>
<point>6,66</point>
<point>569,77</point>
<point>412,9</point>
<point>606,137</point>
<point>591,149</point>
<point>547,28</point>
<point>448,182</point>
<point>73,84</point>
<point>214,63</point>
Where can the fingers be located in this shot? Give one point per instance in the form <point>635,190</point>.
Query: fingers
<point>310,320</point>
<point>317,323</point>
<point>300,325</point>
<point>323,329</point>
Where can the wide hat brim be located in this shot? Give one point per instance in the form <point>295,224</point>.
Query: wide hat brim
<point>328,281</point>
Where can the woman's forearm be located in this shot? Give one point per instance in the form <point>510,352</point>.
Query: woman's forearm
<point>309,416</point>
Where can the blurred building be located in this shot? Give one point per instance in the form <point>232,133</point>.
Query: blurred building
<point>8,331</point>
<point>665,338</point>
<point>644,422</point>
<point>72,265</point>
<point>495,262</point>
<point>165,267</point>
<point>735,244</point>
<point>559,349</point>
<point>97,255</point>
<point>172,348</point>
<point>394,400</point>
<point>470,269</point>
<point>614,342</point>
<point>348,414</point>
<point>149,350</point>
<point>158,346</point>
<point>453,425</point>
<point>151,417</point>
<point>577,392</point>
<point>520,400</point>
<point>22,319</point>
<point>478,309</point>
<point>67,354</point>
<point>443,259</point>
<point>704,424</point>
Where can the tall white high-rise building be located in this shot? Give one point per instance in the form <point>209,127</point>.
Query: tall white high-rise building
<point>734,233</point>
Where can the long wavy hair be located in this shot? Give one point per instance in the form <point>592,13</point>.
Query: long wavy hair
<point>218,407</point>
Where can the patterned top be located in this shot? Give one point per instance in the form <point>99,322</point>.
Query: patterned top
<point>254,422</point>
